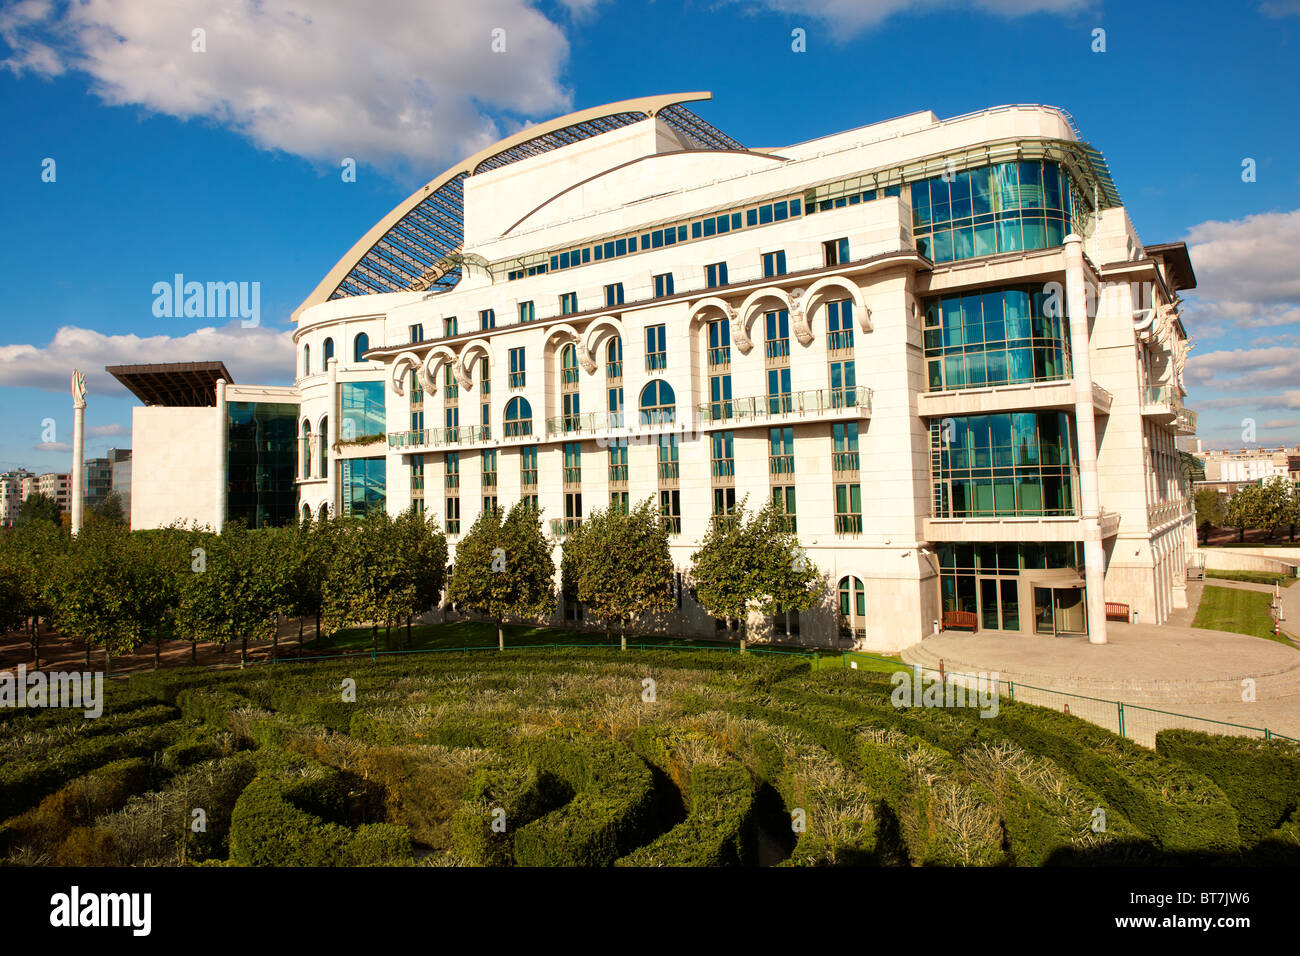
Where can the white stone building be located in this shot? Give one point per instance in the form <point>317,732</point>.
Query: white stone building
<point>941,344</point>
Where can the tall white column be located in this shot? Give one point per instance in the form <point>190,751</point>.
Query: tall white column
<point>223,458</point>
<point>78,449</point>
<point>1085,428</point>
<point>332,437</point>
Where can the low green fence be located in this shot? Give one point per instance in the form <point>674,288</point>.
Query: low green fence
<point>1133,721</point>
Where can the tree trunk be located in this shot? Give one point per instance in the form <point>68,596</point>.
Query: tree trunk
<point>408,632</point>
<point>300,635</point>
<point>374,638</point>
<point>194,652</point>
<point>243,651</point>
<point>157,646</point>
<point>275,644</point>
<point>501,636</point>
<point>87,656</point>
<point>36,648</point>
<point>388,634</point>
<point>108,662</point>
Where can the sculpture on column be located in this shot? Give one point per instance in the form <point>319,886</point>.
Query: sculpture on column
<point>78,447</point>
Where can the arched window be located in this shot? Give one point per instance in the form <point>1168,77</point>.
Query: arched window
<point>327,355</point>
<point>306,360</point>
<point>853,608</point>
<point>305,471</point>
<point>658,403</point>
<point>306,512</point>
<point>519,417</point>
<point>359,347</point>
<point>320,446</point>
<point>324,512</point>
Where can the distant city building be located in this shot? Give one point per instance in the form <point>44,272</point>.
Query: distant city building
<point>11,494</point>
<point>57,486</point>
<point>99,481</point>
<point>1247,465</point>
<point>121,458</point>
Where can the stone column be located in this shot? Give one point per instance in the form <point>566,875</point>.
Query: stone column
<point>1085,427</point>
<point>331,437</point>
<point>78,449</point>
<point>223,458</point>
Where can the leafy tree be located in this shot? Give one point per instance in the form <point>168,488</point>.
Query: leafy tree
<point>1276,504</point>
<point>31,558</point>
<point>420,548</point>
<point>92,591</point>
<point>38,507</point>
<point>110,509</point>
<point>504,568</point>
<point>364,573</point>
<point>619,566</point>
<point>1246,509</point>
<point>1209,511</point>
<point>754,563</point>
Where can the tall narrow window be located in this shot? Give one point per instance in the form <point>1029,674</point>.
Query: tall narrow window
<point>572,463</point>
<point>614,360</point>
<point>528,469</point>
<point>449,326</point>
<point>720,408</point>
<point>417,333</point>
<point>778,335</point>
<point>848,508</point>
<point>306,360</point>
<point>779,399</point>
<point>527,311</point>
<point>663,285</point>
<point>568,303</point>
<point>569,397</point>
<point>328,354</point>
<point>715,275</point>
<point>487,319</point>
<point>360,345</point>
<point>517,369</point>
<point>614,294</point>
<point>656,348</point>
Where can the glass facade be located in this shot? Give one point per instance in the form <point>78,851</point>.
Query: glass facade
<point>995,337</point>
<point>1017,463</point>
<point>1004,207</point>
<point>362,485</point>
<point>363,409</point>
<point>262,461</point>
<point>984,579</point>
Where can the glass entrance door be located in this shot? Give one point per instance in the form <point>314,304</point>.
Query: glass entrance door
<point>1060,611</point>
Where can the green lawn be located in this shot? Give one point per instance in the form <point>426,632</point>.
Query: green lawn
<point>1253,577</point>
<point>1238,611</point>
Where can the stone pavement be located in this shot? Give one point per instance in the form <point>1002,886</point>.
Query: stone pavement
<point>1167,668</point>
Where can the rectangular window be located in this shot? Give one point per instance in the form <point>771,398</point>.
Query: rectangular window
<point>527,311</point>
<point>572,463</point>
<point>670,509</point>
<point>780,452</point>
<point>453,515</point>
<point>489,463</point>
<point>773,264</point>
<point>614,294</point>
<point>663,285</point>
<point>724,501</point>
<point>783,498</point>
<point>656,349</point>
<point>848,509</point>
<point>449,326</point>
<point>417,333</point>
<point>618,502</point>
<point>779,401</point>
<point>724,462</point>
<point>844,457</point>
<point>835,252</point>
<point>618,462</point>
<point>362,407</point>
<point>517,370</point>
<point>489,502</point>
<point>487,319</point>
<point>839,325</point>
<point>616,407</point>
<point>777,326</point>
<point>568,303</point>
<point>715,275</point>
<point>528,466</point>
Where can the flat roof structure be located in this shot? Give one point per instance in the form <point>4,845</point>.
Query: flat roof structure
<point>187,384</point>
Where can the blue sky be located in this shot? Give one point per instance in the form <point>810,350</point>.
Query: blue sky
<point>224,165</point>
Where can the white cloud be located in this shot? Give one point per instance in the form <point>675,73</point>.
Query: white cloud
<point>257,355</point>
<point>852,16</point>
<point>101,431</point>
<point>52,446</point>
<point>1248,263</point>
<point>384,82</point>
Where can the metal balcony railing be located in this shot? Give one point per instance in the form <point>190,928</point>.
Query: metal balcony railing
<point>844,461</point>
<point>805,404</point>
<point>781,464</point>
<point>656,361</point>
<point>517,379</point>
<point>720,356</point>
<point>440,437</point>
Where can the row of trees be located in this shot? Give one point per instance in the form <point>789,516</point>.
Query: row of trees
<point>118,590</point>
<point>1273,505</point>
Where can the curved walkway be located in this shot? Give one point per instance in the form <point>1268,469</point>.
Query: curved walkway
<point>1188,671</point>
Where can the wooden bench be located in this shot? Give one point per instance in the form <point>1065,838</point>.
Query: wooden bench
<point>959,619</point>
<point>1116,612</point>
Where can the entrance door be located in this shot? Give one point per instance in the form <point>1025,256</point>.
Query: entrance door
<point>1060,611</point>
<point>989,604</point>
<point>1010,604</point>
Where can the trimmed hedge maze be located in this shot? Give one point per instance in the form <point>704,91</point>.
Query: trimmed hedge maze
<point>602,758</point>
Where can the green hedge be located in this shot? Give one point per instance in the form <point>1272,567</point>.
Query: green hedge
<point>24,783</point>
<point>1261,778</point>
<point>719,830</point>
<point>278,821</point>
<point>609,814</point>
<point>524,793</point>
